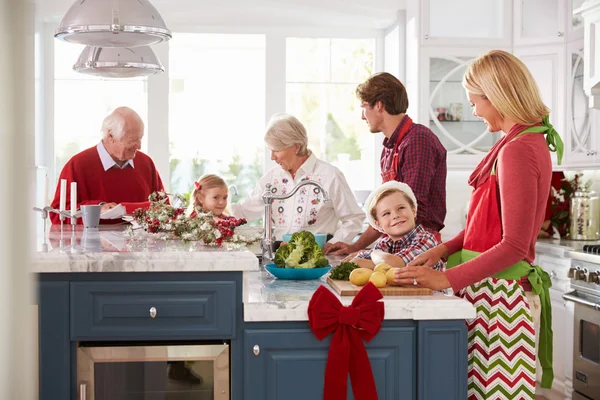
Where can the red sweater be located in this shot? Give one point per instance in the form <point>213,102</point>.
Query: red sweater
<point>94,185</point>
<point>524,172</point>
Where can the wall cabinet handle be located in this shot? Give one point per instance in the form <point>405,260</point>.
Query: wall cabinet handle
<point>256,350</point>
<point>426,36</point>
<point>552,275</point>
<point>152,312</point>
<point>560,34</point>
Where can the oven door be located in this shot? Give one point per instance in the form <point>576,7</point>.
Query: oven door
<point>182,372</point>
<point>586,345</point>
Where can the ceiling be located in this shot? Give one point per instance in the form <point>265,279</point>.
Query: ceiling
<point>371,14</point>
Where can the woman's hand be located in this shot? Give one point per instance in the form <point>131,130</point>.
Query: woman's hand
<point>430,257</point>
<point>424,276</point>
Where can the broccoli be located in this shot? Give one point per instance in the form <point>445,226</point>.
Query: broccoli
<point>302,251</point>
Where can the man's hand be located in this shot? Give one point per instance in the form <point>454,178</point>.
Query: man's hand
<point>338,248</point>
<point>107,206</point>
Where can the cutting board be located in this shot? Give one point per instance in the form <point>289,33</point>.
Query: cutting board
<point>345,288</point>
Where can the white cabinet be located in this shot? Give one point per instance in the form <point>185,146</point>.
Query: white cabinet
<point>562,327</point>
<point>445,108</point>
<point>581,144</point>
<point>469,22</point>
<point>590,11</point>
<point>547,65</point>
<point>539,21</point>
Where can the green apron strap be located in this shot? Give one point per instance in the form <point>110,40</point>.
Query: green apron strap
<point>553,140</point>
<point>541,283</point>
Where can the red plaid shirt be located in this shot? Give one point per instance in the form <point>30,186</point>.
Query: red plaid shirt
<point>407,248</point>
<point>422,166</point>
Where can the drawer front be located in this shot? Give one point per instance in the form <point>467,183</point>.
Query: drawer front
<point>152,310</point>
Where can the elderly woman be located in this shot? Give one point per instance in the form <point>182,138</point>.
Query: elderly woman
<point>341,218</point>
<point>497,248</point>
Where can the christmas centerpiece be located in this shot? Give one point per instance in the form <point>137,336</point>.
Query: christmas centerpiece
<point>171,222</point>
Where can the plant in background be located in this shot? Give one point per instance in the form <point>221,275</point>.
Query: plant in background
<point>171,223</point>
<point>561,216</point>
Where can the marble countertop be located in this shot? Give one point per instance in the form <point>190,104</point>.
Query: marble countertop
<point>270,299</point>
<point>113,249</point>
<point>567,248</point>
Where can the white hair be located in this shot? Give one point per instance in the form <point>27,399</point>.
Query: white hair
<point>284,130</point>
<point>374,198</point>
<point>114,123</point>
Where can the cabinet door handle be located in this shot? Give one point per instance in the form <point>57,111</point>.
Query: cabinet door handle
<point>552,275</point>
<point>560,34</point>
<point>152,312</point>
<point>593,152</point>
<point>256,350</point>
<point>426,36</point>
<point>82,391</point>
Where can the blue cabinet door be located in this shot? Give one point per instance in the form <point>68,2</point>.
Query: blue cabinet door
<point>290,363</point>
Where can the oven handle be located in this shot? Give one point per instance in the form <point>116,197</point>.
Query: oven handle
<point>576,299</point>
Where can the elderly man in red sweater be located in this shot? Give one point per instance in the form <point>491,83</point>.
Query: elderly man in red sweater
<point>107,173</point>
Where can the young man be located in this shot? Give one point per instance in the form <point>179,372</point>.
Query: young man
<point>412,154</point>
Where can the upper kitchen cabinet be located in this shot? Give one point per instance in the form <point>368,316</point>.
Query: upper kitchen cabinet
<point>445,108</point>
<point>581,146</point>
<point>548,67</point>
<point>574,22</point>
<point>539,21</point>
<point>466,22</point>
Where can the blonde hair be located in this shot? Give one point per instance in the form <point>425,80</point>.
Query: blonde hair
<point>284,130</point>
<point>383,195</point>
<point>507,83</point>
<point>204,183</point>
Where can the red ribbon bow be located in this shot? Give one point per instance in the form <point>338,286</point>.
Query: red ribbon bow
<point>347,353</point>
<point>198,186</point>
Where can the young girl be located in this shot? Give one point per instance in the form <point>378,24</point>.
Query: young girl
<point>210,195</point>
<point>392,209</point>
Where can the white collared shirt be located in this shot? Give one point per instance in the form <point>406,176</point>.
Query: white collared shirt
<point>306,209</point>
<point>107,160</point>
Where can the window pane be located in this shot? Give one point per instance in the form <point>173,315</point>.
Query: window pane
<point>216,109</point>
<point>81,102</point>
<point>330,110</point>
<point>307,60</point>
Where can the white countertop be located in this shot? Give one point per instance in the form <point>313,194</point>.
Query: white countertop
<point>270,299</point>
<point>112,249</point>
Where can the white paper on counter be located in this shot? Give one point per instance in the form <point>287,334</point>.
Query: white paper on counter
<point>114,213</point>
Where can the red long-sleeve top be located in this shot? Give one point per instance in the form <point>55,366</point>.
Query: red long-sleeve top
<point>128,186</point>
<point>524,172</point>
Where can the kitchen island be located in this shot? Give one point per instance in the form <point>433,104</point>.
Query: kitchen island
<point>108,288</point>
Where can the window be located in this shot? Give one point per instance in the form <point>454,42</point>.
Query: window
<point>321,78</point>
<point>81,102</point>
<point>216,109</point>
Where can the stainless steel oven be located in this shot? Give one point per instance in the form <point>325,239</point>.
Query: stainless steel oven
<point>174,372</point>
<point>586,342</point>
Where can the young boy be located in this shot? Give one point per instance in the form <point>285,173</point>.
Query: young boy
<point>392,209</point>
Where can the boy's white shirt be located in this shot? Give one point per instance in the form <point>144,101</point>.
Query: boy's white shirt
<point>294,214</point>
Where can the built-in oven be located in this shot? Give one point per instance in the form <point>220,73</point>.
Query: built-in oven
<point>586,342</point>
<point>140,372</point>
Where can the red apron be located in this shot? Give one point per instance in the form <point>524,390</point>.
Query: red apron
<point>389,167</point>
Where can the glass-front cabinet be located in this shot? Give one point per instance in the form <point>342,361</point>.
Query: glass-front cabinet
<point>574,22</point>
<point>445,22</point>
<point>539,21</point>
<point>446,109</point>
<point>581,144</point>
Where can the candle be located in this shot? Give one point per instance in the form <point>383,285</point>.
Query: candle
<point>73,202</point>
<point>63,197</point>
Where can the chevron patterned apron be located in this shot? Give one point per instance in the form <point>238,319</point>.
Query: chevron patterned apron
<point>501,343</point>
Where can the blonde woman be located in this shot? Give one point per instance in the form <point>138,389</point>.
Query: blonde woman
<point>341,218</point>
<point>496,250</point>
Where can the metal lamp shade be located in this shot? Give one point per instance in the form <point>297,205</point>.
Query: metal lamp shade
<point>113,23</point>
<point>118,62</point>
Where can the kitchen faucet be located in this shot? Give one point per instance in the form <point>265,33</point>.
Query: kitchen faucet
<point>268,198</point>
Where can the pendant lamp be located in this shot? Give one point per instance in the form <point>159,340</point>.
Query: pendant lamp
<point>113,23</point>
<point>118,62</point>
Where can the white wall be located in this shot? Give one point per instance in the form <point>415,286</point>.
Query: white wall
<point>18,376</point>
